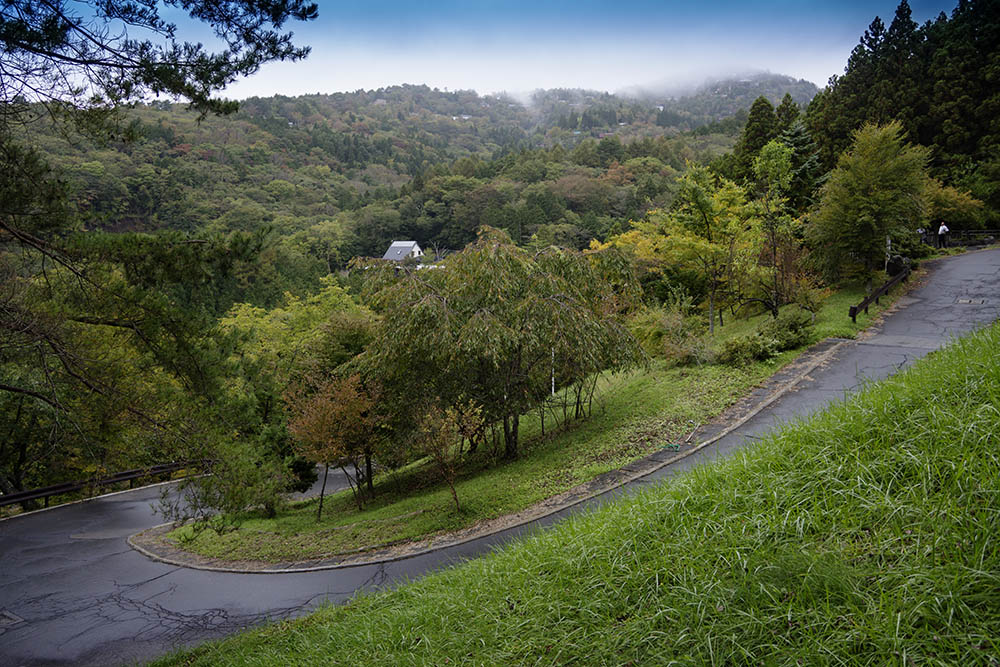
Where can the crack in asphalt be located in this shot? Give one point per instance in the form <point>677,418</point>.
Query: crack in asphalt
<point>147,581</point>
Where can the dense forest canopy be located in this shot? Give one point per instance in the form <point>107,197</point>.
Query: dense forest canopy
<point>108,353</point>
<point>330,177</point>
<point>938,79</point>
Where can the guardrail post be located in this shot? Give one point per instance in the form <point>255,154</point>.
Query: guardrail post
<point>878,293</point>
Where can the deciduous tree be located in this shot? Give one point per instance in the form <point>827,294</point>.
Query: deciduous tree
<point>490,325</point>
<point>335,424</point>
<point>877,190</point>
<point>440,436</point>
<point>704,231</point>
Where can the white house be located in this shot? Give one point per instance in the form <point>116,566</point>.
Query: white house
<point>400,250</point>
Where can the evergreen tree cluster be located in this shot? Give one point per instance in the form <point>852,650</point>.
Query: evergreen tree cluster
<point>766,123</point>
<point>939,80</point>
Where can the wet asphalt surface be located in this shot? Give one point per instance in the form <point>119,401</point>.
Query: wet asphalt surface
<point>73,592</point>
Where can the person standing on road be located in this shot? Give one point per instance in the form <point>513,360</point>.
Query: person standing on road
<point>943,235</point>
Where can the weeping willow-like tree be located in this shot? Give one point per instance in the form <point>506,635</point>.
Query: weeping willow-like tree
<point>497,325</point>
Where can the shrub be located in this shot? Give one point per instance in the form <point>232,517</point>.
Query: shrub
<point>791,329</point>
<point>910,244</point>
<point>809,296</point>
<point>242,480</point>
<point>746,348</point>
<point>671,333</point>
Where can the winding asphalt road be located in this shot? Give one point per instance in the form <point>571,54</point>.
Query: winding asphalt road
<point>73,592</point>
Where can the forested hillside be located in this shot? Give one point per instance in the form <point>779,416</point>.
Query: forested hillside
<point>330,177</point>
<point>938,79</point>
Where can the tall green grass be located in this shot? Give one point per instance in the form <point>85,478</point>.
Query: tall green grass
<point>868,534</point>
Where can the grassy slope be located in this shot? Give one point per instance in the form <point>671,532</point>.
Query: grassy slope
<point>864,535</point>
<point>633,415</point>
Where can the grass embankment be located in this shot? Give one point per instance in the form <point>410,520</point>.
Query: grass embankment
<point>864,535</point>
<point>633,415</point>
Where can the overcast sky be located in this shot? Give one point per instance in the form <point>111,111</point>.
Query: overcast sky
<point>521,45</point>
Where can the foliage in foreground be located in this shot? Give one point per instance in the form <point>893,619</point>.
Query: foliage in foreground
<point>863,535</point>
<point>106,351</point>
<point>634,415</point>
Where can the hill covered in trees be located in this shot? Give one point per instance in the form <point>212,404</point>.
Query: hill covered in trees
<point>188,269</point>
<point>328,177</point>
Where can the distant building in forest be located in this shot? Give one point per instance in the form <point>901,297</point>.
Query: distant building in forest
<point>401,250</point>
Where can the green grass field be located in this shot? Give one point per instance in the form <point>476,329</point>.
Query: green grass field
<point>864,535</point>
<point>633,415</point>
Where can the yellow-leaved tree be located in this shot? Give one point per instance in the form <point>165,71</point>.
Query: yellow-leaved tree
<point>705,231</point>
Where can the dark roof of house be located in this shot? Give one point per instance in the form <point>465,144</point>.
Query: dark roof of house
<point>400,250</point>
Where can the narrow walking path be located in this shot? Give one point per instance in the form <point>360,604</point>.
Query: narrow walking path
<point>73,592</point>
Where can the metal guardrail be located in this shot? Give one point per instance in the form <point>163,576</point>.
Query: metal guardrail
<point>47,492</point>
<point>963,237</point>
<point>973,236</point>
<point>881,291</point>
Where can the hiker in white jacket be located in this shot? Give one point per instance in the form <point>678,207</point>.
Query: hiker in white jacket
<point>943,235</point>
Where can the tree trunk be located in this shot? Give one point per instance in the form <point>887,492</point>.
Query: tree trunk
<point>516,425</point>
<point>711,313</point>
<point>506,436</point>
<point>322,492</point>
<point>353,483</point>
<point>16,479</point>
<point>590,399</point>
<point>368,472</point>
<point>357,485</point>
<point>510,424</point>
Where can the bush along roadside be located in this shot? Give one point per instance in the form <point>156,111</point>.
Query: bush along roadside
<point>791,329</point>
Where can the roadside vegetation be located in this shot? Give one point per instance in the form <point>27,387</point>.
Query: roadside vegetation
<point>634,414</point>
<point>862,534</point>
<point>497,333</point>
